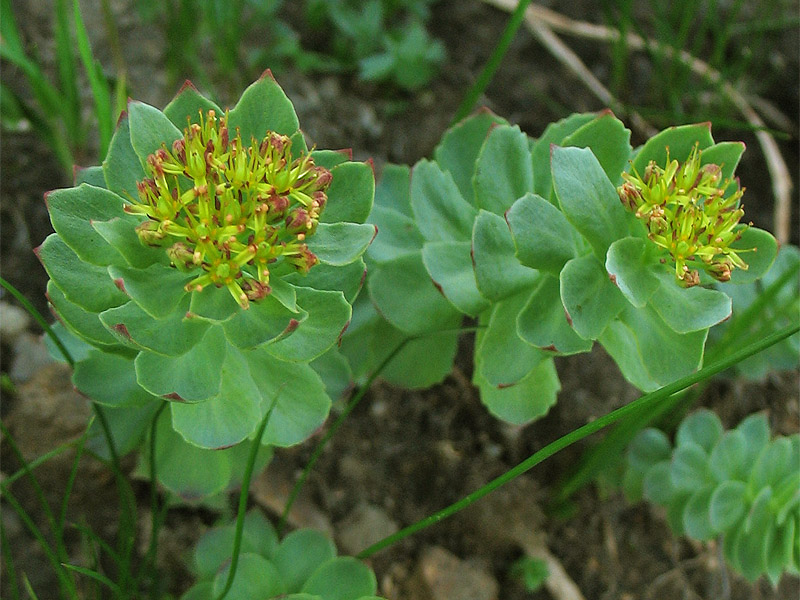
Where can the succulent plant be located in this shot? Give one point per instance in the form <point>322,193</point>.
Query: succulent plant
<point>207,262</point>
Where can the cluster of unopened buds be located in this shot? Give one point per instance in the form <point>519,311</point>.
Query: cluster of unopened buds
<point>686,212</point>
<point>235,213</point>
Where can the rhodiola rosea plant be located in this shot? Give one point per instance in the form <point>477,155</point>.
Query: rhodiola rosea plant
<point>208,261</point>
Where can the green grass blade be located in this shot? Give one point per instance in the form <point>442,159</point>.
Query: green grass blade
<point>97,577</point>
<point>67,75</point>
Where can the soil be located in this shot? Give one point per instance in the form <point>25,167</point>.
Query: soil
<point>404,454</point>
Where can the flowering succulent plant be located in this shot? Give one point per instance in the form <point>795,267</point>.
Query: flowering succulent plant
<point>209,267</point>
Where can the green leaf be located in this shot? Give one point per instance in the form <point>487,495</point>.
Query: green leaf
<point>497,272</point>
<point>503,170</point>
<point>350,194</point>
<point>458,150</point>
<point>439,210</point>
<point>121,167</point>
<point>120,232</point>
<point>773,463</point>
<point>295,393</point>
<point>334,370</point>
<point>186,106</point>
<point>540,152</point>
<point>677,142</point>
<point>608,139</point>
<point>724,154</point>
<point>263,107</point>
<point>689,470</point>
<point>779,550</point>
<point>450,267</point>
<point>256,577</point>
<point>421,363</point>
<point>393,191</point>
<point>109,379</point>
<point>588,199</point>
<point>543,237</point>
<point>264,321</point>
<point>330,158</point>
<point>406,297</point>
<point>230,416</point>
<point>589,298</point>
<point>82,283</point>
<point>752,544</point>
<point>348,279</point>
<point>728,505</point>
<point>340,244</point>
<point>90,175</point>
<point>755,430</point>
<point>341,578</point>
<point>528,399</point>
<point>760,260</point>
<point>213,304</point>
<point>650,446</point>
<point>127,424</point>
<point>190,377</point>
<point>689,309</point>
<point>728,457</point>
<point>631,270</point>
<point>72,211</point>
<point>82,323</point>
<point>501,357</point>
<point>300,554</point>
<point>657,485</point>
<point>328,315</point>
<point>200,591</point>
<point>150,129</point>
<point>216,545</point>
<point>702,427</point>
<point>172,336</point>
<point>397,235</point>
<point>188,471</point>
<point>157,289</point>
<point>543,322</point>
<point>648,352</point>
<point>696,522</point>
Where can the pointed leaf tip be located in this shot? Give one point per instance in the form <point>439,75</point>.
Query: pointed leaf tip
<point>267,73</point>
<point>187,85</point>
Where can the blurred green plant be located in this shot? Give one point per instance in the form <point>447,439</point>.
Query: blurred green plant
<point>55,109</point>
<point>531,572</point>
<point>738,484</point>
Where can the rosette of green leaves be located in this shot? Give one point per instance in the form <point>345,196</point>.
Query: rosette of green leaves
<point>223,367</point>
<point>302,566</point>
<point>600,277</point>
<point>738,484</point>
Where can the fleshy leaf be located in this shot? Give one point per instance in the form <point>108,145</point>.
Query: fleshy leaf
<point>215,547</point>
<point>459,148</point>
<point>120,232</point>
<point>397,234</point>
<point>109,379</point>
<point>340,244</point>
<point>525,401</point>
<point>497,272</point>
<point>728,457</point>
<point>679,140</point>
<point>393,191</point>
<point>502,358</point>
<point>689,309</point>
<point>256,577</point>
<point>172,335</point>
<point>186,106</point>
<point>121,167</point>
<point>328,315</point>
<point>334,370</point>
<point>150,129</point>
<point>406,297</point>
<point>689,470</point>
<point>300,554</point>
<point>587,198</point>
<point>91,175</point>
<point>82,323</point>
<point>503,171</point>
<point>213,304</point>
<point>341,578</point>
<point>727,505</point>
<point>696,521</point>
<point>157,289</point>
<point>759,261</point>
<point>630,268</point>
<point>73,209</point>
<point>590,299</point>
<point>439,210</point>
<point>543,237</point>
<point>127,424</point>
<point>295,393</point>
<point>347,279</point>
<point>190,377</point>
<point>263,107</point>
<point>450,266</point>
<point>608,139</point>
<point>724,154</point>
<point>702,427</point>
<point>82,283</point>
<point>543,322</point>
<point>350,194</point>
<point>330,158</point>
<point>227,418</point>
<point>540,152</point>
<point>263,322</point>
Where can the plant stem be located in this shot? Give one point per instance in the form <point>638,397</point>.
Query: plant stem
<point>643,403</point>
<point>493,63</point>
<point>248,472</point>
<point>152,551</point>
